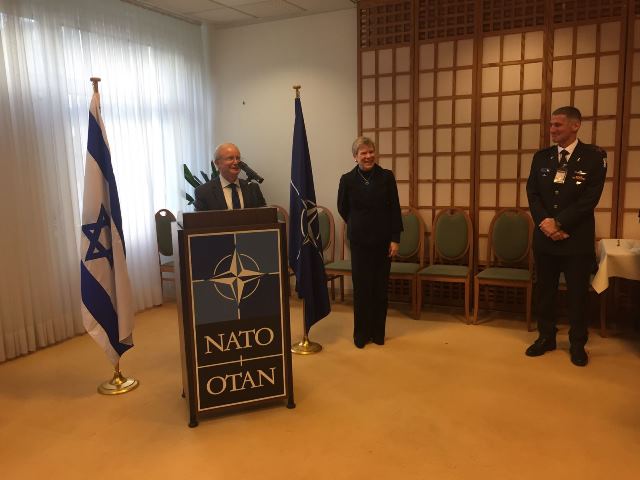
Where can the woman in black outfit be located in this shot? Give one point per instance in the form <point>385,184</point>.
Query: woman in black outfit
<point>368,203</point>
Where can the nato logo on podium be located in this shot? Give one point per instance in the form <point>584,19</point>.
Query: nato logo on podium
<point>235,276</point>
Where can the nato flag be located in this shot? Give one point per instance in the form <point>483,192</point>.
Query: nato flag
<point>305,244</point>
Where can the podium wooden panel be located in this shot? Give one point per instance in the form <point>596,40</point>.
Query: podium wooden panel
<point>233,305</point>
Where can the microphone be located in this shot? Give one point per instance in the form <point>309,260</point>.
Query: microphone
<point>251,174</point>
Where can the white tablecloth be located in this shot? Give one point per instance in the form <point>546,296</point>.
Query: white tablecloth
<point>618,258</point>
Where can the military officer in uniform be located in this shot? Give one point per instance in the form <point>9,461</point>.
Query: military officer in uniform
<point>564,187</point>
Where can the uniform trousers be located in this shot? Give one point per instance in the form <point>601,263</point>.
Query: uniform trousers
<point>370,266</point>
<point>577,270</point>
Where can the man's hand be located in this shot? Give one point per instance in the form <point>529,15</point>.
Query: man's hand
<point>559,235</point>
<point>548,226</point>
<point>393,249</point>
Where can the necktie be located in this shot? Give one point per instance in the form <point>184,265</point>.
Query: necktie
<point>235,198</point>
<point>563,158</point>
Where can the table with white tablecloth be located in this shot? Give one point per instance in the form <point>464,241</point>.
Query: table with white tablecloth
<point>618,258</point>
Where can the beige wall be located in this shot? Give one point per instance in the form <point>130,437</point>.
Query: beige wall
<point>253,70</point>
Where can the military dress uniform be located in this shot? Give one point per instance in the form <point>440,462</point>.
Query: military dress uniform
<point>567,191</point>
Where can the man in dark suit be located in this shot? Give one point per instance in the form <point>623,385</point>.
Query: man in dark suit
<point>563,189</point>
<point>228,191</point>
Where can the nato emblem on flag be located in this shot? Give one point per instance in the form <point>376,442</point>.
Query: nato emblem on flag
<point>235,276</point>
<point>305,244</point>
<point>107,310</point>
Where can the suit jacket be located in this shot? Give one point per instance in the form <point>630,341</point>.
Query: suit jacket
<point>571,203</point>
<point>209,196</point>
<point>372,212</point>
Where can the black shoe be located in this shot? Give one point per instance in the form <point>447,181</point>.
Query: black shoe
<point>540,346</point>
<point>359,343</point>
<point>579,356</point>
<point>378,341</point>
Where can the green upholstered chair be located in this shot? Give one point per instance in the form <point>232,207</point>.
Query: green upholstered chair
<point>339,268</point>
<point>509,256</point>
<point>451,254</point>
<point>410,256</point>
<point>283,217</point>
<point>410,248</point>
<point>327,235</point>
<point>164,219</point>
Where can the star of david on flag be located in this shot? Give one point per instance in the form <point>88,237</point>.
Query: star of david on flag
<point>305,244</point>
<point>107,310</point>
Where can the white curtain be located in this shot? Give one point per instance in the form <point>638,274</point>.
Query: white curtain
<point>156,113</point>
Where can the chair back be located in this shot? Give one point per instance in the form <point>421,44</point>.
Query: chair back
<point>452,237</point>
<point>283,216</point>
<point>412,237</point>
<point>510,237</point>
<point>327,233</point>
<point>346,248</point>
<point>164,218</point>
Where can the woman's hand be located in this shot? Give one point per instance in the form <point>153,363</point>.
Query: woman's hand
<point>393,249</point>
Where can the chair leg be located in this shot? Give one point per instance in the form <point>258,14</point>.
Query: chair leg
<point>485,297</point>
<point>419,298</point>
<point>466,300</point>
<point>342,288</point>
<point>528,306</point>
<point>333,289</point>
<point>416,305</point>
<point>603,313</point>
<point>476,300</point>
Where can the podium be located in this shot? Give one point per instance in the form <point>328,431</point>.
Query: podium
<point>233,303</point>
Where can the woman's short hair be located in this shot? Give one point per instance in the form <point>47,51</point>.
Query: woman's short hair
<point>359,142</point>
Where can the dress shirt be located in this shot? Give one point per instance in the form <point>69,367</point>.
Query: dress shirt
<point>227,192</point>
<point>568,148</point>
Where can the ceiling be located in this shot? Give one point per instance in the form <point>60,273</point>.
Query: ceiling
<point>227,13</point>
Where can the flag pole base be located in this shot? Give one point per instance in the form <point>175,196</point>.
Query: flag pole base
<point>306,347</point>
<point>118,384</point>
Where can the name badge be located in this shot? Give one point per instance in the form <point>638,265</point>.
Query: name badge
<point>561,175</point>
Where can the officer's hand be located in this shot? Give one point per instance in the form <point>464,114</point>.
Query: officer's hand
<point>548,226</point>
<point>393,249</point>
<point>559,235</point>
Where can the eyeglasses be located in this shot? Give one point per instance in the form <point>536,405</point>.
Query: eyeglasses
<point>231,158</point>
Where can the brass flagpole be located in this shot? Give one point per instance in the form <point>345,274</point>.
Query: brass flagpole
<point>118,383</point>
<point>304,346</point>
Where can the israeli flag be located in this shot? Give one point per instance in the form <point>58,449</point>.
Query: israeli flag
<point>107,310</point>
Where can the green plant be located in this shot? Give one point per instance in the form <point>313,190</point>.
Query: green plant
<point>195,181</point>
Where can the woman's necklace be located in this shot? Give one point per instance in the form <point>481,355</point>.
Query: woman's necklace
<point>365,179</point>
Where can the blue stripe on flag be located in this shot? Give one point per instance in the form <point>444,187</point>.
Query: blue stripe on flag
<point>98,303</point>
<point>98,149</point>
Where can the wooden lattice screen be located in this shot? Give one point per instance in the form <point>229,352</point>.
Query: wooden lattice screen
<point>483,77</point>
